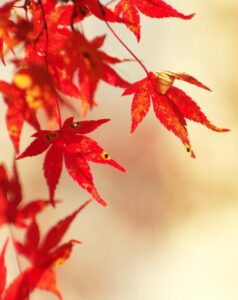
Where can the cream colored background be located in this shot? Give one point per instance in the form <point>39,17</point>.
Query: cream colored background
<point>171,229</point>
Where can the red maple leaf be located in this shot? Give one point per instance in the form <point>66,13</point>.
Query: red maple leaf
<point>32,89</point>
<point>16,290</point>
<point>12,210</point>
<point>18,111</point>
<point>44,26</point>
<point>83,58</point>
<point>39,89</point>
<point>71,145</point>
<point>79,10</point>
<point>84,8</point>
<point>47,40</point>
<point>13,30</point>
<point>128,9</point>
<point>47,254</point>
<point>29,280</point>
<point>6,28</point>
<point>69,52</point>
<point>51,13</point>
<point>26,282</point>
<point>171,105</point>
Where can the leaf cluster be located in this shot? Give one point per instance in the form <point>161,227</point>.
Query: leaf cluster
<point>55,67</point>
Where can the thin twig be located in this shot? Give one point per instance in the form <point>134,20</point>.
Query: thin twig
<point>122,43</point>
<point>46,60</point>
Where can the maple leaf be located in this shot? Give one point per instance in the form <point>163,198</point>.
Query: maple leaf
<point>69,144</point>
<point>29,280</point>
<point>13,32</point>
<point>18,111</point>
<point>82,57</point>
<point>55,14</point>
<point>32,89</point>
<point>43,27</point>
<point>6,28</point>
<point>128,9</point>
<point>84,8</point>
<point>21,287</point>
<point>65,13</point>
<point>36,82</point>
<point>17,289</point>
<point>12,210</point>
<point>68,52</point>
<point>171,105</point>
<point>46,254</point>
<point>41,60</point>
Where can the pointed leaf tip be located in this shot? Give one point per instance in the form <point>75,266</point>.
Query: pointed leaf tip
<point>189,17</point>
<point>190,150</point>
<point>56,233</point>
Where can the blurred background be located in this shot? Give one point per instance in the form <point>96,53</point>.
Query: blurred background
<point>171,231</point>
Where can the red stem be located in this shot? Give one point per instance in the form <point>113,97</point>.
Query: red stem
<point>123,44</point>
<point>127,48</point>
<point>59,119</point>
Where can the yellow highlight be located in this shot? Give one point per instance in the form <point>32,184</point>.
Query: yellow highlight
<point>85,107</point>
<point>33,103</point>
<point>36,91</point>
<point>13,130</point>
<point>23,81</point>
<point>105,155</point>
<point>33,97</point>
<point>59,261</point>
